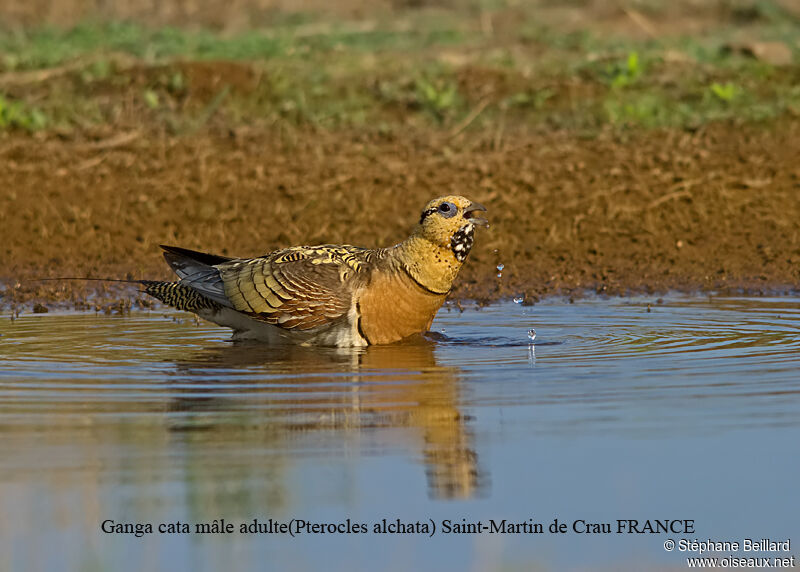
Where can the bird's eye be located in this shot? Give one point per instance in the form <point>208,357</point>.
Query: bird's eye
<point>447,209</point>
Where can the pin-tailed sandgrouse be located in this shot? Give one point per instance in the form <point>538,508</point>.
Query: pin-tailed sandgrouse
<point>329,295</point>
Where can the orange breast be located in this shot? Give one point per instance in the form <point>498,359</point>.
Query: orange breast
<point>393,307</point>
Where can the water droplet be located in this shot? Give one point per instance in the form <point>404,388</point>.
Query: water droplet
<point>500,267</point>
<point>519,299</point>
<point>499,274</point>
<point>531,334</point>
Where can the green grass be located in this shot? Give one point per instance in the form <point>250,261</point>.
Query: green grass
<point>434,70</point>
<point>16,114</point>
<point>43,48</point>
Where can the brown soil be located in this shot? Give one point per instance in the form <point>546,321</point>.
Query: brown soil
<point>711,210</point>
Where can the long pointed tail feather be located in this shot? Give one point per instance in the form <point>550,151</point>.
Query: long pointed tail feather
<point>59,278</point>
<point>175,294</point>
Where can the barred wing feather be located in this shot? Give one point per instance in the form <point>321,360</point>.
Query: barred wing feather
<point>297,288</point>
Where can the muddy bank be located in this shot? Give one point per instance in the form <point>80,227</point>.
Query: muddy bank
<point>716,209</point>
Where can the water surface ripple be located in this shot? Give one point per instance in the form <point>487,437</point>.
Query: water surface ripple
<point>156,414</point>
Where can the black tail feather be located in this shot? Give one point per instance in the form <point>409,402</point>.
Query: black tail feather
<point>201,257</point>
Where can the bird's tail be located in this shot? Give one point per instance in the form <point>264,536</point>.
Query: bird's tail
<point>175,294</point>
<point>179,296</point>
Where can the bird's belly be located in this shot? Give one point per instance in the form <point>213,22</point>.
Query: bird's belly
<point>340,334</point>
<point>244,327</point>
<point>395,308</point>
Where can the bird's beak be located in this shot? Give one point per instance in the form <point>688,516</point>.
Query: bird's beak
<point>469,214</point>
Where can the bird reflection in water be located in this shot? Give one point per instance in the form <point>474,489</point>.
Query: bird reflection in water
<point>283,392</point>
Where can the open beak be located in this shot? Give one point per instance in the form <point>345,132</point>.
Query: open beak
<point>469,214</point>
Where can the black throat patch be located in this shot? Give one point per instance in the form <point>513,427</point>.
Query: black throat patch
<point>427,213</point>
<point>461,243</point>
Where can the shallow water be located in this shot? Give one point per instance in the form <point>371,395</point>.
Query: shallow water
<point>687,411</point>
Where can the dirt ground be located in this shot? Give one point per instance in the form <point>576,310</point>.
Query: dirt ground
<point>716,209</point>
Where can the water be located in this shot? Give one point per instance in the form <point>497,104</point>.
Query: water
<point>686,411</point>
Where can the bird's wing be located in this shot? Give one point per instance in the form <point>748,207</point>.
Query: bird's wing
<point>198,271</point>
<point>296,288</point>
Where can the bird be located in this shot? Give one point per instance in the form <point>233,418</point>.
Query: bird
<point>329,295</point>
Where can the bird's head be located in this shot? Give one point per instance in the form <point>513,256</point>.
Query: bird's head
<point>450,222</point>
<point>440,243</point>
